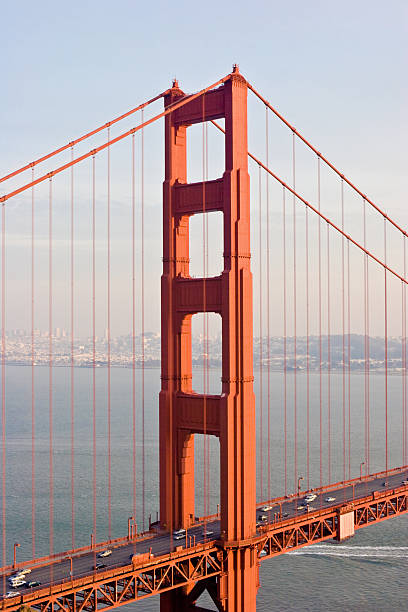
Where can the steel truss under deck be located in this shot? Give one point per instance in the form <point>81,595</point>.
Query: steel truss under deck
<point>204,562</point>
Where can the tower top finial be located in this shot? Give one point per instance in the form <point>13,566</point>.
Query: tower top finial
<point>235,69</point>
<point>175,83</point>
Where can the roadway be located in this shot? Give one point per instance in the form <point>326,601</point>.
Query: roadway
<point>162,543</point>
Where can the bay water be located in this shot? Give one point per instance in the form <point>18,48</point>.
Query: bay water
<point>366,573</point>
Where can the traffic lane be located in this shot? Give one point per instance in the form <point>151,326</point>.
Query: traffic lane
<point>121,556</point>
<point>341,495</point>
<point>162,543</point>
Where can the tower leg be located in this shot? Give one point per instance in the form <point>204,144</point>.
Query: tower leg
<point>238,586</point>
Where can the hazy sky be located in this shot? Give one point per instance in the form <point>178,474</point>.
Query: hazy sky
<point>337,71</point>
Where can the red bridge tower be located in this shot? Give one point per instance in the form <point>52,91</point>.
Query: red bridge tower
<point>183,413</point>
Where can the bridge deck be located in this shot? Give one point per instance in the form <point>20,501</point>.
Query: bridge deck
<point>164,563</point>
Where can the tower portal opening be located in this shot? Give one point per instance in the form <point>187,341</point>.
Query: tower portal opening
<point>206,338</point>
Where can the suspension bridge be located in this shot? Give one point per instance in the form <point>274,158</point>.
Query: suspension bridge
<point>328,261</point>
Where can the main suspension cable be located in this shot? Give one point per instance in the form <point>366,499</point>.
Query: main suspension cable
<point>167,111</point>
<point>324,159</point>
<point>319,214</point>
<point>83,137</point>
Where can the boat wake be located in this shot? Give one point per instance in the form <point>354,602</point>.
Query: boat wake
<point>377,552</point>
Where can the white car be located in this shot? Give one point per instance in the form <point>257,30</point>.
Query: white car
<point>25,571</point>
<point>181,532</point>
<point>17,583</point>
<point>207,533</point>
<point>301,507</point>
<point>266,508</point>
<point>330,499</point>
<point>263,553</point>
<point>105,553</point>
<point>310,497</point>
<point>179,536</point>
<point>12,594</point>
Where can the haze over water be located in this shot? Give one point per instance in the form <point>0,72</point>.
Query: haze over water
<point>367,572</point>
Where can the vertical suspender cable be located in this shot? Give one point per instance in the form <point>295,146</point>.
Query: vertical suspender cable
<point>205,330</point>
<point>349,357</point>
<point>143,329</point>
<point>307,351</point>
<point>260,335</point>
<point>133,196</point>
<point>72,362</point>
<point>3,387</point>
<point>93,348</point>
<point>404,368</point>
<point>268,280</point>
<point>368,365</point>
<point>294,311</point>
<point>365,336</point>
<point>285,348</point>
<point>328,355</point>
<point>320,326</point>
<point>343,335</point>
<point>50,380</point>
<point>109,341</point>
<point>386,344</point>
<point>366,347</point>
<point>33,482</point>
<point>207,316</point>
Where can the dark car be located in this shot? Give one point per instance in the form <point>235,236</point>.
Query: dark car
<point>34,583</point>
<point>99,566</point>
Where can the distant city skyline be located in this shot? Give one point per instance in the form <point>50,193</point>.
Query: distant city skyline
<point>354,113</point>
<point>19,351</point>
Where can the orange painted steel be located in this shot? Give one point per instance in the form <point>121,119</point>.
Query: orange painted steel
<point>227,567</point>
<point>183,413</point>
<point>126,584</point>
<point>337,485</point>
<point>81,138</point>
<point>326,161</point>
<point>321,215</point>
<point>184,570</point>
<point>320,525</point>
<point>109,143</point>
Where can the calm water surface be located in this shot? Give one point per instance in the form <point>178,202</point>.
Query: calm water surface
<point>367,573</point>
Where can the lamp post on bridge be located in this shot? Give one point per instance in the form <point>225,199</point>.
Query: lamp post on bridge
<point>361,469</point>
<point>16,545</point>
<point>299,479</point>
<point>131,518</point>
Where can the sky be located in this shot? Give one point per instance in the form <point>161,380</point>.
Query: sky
<point>336,71</point>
